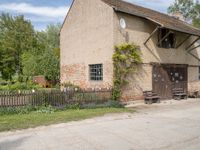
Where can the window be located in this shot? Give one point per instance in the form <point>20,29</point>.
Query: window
<point>169,39</point>
<point>96,72</point>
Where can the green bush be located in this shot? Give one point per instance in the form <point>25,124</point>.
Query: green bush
<point>17,110</point>
<point>27,110</point>
<point>46,109</point>
<point>50,109</point>
<point>73,106</point>
<point>19,86</point>
<point>126,59</point>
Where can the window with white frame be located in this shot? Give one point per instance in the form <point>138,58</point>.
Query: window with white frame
<point>96,72</point>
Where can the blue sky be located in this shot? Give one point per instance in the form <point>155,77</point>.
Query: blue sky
<point>44,12</point>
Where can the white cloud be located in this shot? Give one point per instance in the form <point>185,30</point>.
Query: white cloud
<point>26,8</point>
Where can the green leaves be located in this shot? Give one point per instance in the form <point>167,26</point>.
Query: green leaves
<point>17,36</point>
<point>189,9</point>
<point>185,7</point>
<point>125,60</point>
<point>26,52</point>
<point>45,59</point>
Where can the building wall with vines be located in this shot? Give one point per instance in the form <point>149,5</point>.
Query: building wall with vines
<point>137,30</point>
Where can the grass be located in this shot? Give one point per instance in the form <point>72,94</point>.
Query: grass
<point>34,119</point>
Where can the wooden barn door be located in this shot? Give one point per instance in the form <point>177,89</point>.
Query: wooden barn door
<point>167,77</point>
<point>179,77</point>
<point>161,82</point>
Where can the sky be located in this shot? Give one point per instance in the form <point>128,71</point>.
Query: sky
<point>44,12</point>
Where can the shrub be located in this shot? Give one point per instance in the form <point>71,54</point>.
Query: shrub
<point>27,110</point>
<point>19,86</point>
<point>125,60</point>
<point>46,109</point>
<point>17,110</point>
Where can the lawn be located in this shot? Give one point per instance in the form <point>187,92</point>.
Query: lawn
<point>34,119</point>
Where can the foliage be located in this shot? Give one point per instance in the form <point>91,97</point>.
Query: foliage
<point>16,110</point>
<point>19,86</point>
<point>27,109</point>
<point>45,60</point>
<point>125,60</point>
<point>196,18</point>
<point>48,109</point>
<point>189,9</point>
<point>25,52</point>
<point>17,36</point>
<point>185,7</point>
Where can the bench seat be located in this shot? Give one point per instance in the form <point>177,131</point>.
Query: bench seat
<point>151,97</point>
<point>178,93</point>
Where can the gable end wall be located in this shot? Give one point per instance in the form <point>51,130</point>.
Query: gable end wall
<point>87,38</point>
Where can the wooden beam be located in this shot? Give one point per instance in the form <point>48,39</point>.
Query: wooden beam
<point>159,42</point>
<point>194,56</point>
<point>192,43</point>
<point>193,48</point>
<point>154,31</point>
<point>181,43</point>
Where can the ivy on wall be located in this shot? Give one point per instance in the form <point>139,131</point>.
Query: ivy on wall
<point>126,58</point>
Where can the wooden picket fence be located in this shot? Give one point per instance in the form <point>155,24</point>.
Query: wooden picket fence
<point>53,97</point>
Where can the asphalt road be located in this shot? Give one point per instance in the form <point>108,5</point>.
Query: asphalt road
<point>167,126</point>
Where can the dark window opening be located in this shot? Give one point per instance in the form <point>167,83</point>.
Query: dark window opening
<point>169,39</point>
<point>96,72</point>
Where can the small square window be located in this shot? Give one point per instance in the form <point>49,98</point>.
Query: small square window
<point>169,39</point>
<point>96,72</point>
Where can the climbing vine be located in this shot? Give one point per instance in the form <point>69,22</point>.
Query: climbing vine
<point>125,60</point>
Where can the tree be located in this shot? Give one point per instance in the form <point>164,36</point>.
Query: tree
<point>189,9</point>
<point>196,18</point>
<point>17,36</point>
<point>25,52</point>
<point>185,7</point>
<point>45,59</point>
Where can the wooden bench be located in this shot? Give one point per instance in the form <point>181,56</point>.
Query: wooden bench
<point>179,93</point>
<point>151,97</point>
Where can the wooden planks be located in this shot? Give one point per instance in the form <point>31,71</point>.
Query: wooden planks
<point>51,97</point>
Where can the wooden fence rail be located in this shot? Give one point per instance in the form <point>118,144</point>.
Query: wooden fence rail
<point>54,98</point>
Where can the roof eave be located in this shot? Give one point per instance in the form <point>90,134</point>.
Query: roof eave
<point>158,23</point>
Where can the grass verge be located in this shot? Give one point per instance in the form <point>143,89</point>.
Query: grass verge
<point>34,119</point>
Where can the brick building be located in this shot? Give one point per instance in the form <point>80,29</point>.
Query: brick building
<point>169,47</point>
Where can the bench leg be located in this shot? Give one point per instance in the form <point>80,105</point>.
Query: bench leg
<point>146,101</point>
<point>185,98</point>
<point>150,101</point>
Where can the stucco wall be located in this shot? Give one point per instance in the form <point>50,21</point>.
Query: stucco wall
<point>137,31</point>
<point>87,38</point>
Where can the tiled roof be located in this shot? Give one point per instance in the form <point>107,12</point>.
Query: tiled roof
<point>163,20</point>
